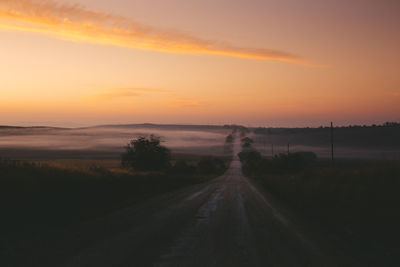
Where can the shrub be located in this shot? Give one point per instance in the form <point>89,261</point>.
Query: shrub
<point>146,154</point>
<point>229,139</point>
<point>246,142</point>
<point>253,162</point>
<point>249,156</point>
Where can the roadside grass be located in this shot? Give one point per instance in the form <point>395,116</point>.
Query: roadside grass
<point>113,165</point>
<point>37,198</point>
<point>357,201</point>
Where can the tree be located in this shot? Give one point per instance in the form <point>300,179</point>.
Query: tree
<point>146,154</point>
<point>229,139</point>
<point>246,142</point>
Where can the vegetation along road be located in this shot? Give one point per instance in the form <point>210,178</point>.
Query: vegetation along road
<point>224,222</point>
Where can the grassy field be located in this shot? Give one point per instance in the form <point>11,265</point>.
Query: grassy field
<point>367,142</point>
<point>37,198</point>
<point>354,201</point>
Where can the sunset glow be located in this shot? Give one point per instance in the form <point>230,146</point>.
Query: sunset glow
<point>76,23</point>
<point>273,63</point>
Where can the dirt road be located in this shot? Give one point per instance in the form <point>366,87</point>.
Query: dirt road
<point>226,222</point>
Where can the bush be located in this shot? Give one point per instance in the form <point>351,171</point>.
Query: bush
<point>247,142</point>
<point>293,162</point>
<point>146,154</point>
<point>249,156</point>
<point>229,139</point>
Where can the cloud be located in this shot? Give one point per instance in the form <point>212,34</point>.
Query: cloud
<point>75,22</point>
<point>110,94</point>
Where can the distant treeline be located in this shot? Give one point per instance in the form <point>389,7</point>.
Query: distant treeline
<point>272,130</point>
<point>385,136</point>
<point>163,126</point>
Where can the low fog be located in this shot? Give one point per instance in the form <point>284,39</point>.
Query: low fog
<point>108,139</point>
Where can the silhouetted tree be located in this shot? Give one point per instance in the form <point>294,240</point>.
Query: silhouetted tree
<point>246,142</point>
<point>229,139</point>
<point>146,154</point>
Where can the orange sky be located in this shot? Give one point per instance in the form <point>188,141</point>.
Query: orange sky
<point>270,63</point>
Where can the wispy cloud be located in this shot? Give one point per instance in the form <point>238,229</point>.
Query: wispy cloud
<point>114,93</point>
<point>77,23</point>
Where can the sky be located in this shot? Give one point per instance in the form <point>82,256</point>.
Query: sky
<point>255,63</point>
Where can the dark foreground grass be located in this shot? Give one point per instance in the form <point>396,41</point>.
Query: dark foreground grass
<point>357,202</point>
<point>37,199</point>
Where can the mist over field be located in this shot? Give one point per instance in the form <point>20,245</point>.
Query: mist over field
<point>39,142</point>
<point>107,142</point>
<point>372,142</point>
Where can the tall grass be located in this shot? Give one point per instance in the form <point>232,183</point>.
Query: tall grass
<point>37,198</point>
<point>355,201</point>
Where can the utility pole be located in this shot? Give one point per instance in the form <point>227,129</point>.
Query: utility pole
<point>332,141</point>
<point>288,150</point>
<point>272,150</point>
<point>265,144</point>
